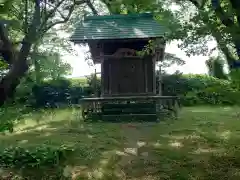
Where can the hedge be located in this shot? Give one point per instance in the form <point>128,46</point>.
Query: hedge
<point>53,93</point>
<point>201,89</point>
<point>192,89</point>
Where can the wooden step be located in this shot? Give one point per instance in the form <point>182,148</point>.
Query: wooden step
<point>122,115</point>
<point>130,117</point>
<point>129,111</point>
<point>130,105</point>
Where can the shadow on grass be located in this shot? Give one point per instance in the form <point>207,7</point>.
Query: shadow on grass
<point>88,141</point>
<point>200,145</point>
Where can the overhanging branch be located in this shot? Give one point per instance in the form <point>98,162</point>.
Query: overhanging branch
<point>50,14</point>
<point>57,10</point>
<point>226,20</point>
<point>45,26</point>
<point>90,5</point>
<point>236,7</point>
<point>64,20</point>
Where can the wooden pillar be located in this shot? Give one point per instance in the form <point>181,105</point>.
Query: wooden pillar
<point>95,83</point>
<point>146,75</point>
<point>110,79</point>
<point>159,45</point>
<point>159,81</point>
<point>102,78</point>
<point>154,74</point>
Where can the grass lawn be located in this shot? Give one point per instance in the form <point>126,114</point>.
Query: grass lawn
<point>204,143</point>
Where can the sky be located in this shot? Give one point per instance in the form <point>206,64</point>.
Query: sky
<point>193,65</point>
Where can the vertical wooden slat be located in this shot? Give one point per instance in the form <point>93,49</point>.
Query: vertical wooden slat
<point>106,77</point>
<point>102,78</point>
<point>160,44</point>
<point>159,81</point>
<point>95,82</point>
<point>146,75</point>
<point>154,74</point>
<point>110,79</point>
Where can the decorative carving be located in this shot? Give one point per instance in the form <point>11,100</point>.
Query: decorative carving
<point>125,52</point>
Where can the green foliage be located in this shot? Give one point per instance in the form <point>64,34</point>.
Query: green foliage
<point>37,162</point>
<point>49,66</point>
<point>58,92</point>
<point>95,84</point>
<point>34,19</point>
<point>216,67</point>
<point>52,93</point>
<point>201,89</point>
<point>129,6</point>
<point>79,82</point>
<point>202,134</point>
<point>204,23</point>
<point>23,94</point>
<point>19,157</point>
<point>193,90</point>
<point>6,126</point>
<point>11,113</point>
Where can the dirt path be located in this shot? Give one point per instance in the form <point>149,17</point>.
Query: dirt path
<point>132,161</point>
<point>136,150</point>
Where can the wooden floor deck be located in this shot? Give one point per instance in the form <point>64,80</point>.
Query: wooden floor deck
<point>129,106</point>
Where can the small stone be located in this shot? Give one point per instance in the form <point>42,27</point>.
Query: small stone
<point>132,151</point>
<point>120,153</point>
<point>145,154</point>
<point>141,143</point>
<point>67,171</point>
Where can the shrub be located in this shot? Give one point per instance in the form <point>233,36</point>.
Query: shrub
<point>41,162</point>
<point>40,156</point>
<point>201,89</point>
<point>63,91</point>
<point>78,82</point>
<point>193,90</point>
<point>53,93</point>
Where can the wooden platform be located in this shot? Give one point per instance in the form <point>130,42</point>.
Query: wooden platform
<point>144,108</point>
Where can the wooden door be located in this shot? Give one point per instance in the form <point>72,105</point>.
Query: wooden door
<point>130,76</point>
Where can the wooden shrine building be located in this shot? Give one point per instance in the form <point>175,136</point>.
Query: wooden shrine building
<point>128,77</point>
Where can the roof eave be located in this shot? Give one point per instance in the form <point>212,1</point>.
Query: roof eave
<point>83,41</point>
<point>79,41</point>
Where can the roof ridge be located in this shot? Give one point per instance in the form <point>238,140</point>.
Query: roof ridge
<point>118,16</point>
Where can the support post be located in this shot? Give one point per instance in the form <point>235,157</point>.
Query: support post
<point>110,80</point>
<point>102,78</point>
<point>154,74</point>
<point>146,76</point>
<point>159,45</point>
<point>95,83</point>
<point>159,81</point>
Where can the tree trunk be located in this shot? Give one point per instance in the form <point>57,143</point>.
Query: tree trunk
<point>234,28</point>
<point>12,79</point>
<point>18,61</point>
<point>37,71</point>
<point>36,63</point>
<point>223,47</point>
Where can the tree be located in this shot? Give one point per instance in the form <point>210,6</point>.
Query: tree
<point>227,16</point>
<point>50,66</point>
<point>46,59</point>
<point>170,59</point>
<point>34,18</point>
<point>216,67</point>
<point>130,6</point>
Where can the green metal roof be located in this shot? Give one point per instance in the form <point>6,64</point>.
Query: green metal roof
<point>118,27</point>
